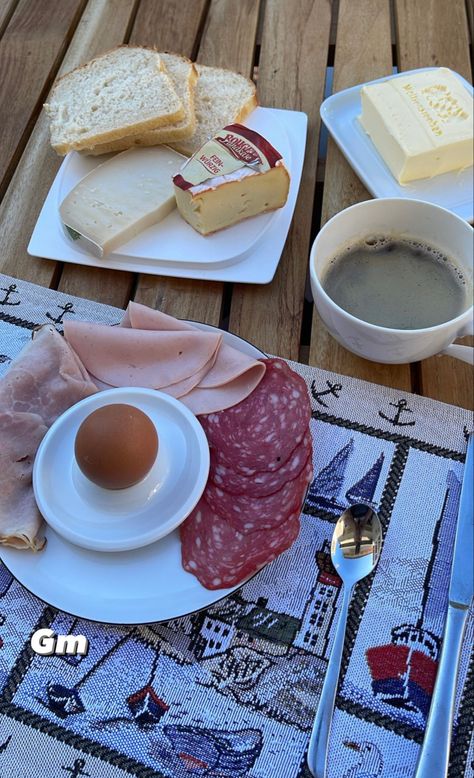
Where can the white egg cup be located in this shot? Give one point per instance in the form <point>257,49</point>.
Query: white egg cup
<point>122,519</point>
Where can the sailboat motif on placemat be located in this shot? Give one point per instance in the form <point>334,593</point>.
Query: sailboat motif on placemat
<point>403,671</point>
<point>325,492</point>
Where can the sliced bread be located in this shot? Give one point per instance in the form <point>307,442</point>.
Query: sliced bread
<point>184,76</point>
<point>123,91</point>
<point>221,97</point>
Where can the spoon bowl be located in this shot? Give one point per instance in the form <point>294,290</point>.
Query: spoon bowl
<point>356,543</point>
<point>355,550</point>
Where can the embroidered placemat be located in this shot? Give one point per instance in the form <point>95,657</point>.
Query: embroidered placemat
<point>232,691</point>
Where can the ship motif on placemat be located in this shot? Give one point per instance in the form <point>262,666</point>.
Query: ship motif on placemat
<point>325,492</point>
<point>403,671</point>
<point>209,752</point>
<point>146,706</point>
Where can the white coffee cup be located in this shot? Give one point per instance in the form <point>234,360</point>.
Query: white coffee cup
<point>400,218</point>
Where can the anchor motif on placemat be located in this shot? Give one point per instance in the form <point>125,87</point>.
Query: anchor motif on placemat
<point>333,390</point>
<point>68,308</point>
<point>4,745</point>
<point>9,290</point>
<point>401,407</point>
<point>77,769</point>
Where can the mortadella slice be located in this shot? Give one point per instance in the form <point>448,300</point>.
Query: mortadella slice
<point>122,356</point>
<point>230,379</point>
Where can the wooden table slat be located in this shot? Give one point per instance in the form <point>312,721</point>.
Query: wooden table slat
<point>166,25</point>
<point>228,40</point>
<point>41,37</point>
<point>363,52</point>
<point>169,25</point>
<point>30,52</point>
<point>102,26</point>
<point>7,7</point>
<point>445,42</point>
<point>292,72</point>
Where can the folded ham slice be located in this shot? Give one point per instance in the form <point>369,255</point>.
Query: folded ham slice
<point>157,351</point>
<point>128,357</point>
<point>43,381</point>
<point>20,520</point>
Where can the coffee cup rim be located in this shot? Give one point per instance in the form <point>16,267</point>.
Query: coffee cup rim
<point>377,327</point>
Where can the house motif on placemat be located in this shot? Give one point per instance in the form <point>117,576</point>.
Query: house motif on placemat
<point>403,671</point>
<point>213,636</point>
<point>320,609</point>
<point>275,631</point>
<point>325,491</point>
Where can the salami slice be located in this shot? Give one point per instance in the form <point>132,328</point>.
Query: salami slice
<point>220,557</point>
<point>262,482</point>
<point>259,433</point>
<point>252,514</point>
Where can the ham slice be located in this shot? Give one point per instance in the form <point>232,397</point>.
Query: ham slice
<point>20,520</point>
<point>46,378</point>
<point>231,378</point>
<point>43,381</point>
<point>157,351</point>
<point>128,357</point>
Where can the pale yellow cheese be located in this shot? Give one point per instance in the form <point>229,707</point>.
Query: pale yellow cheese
<point>226,200</point>
<point>421,124</point>
<point>121,197</point>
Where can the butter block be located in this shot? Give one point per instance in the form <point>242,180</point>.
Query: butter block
<point>120,198</point>
<point>421,124</point>
<point>235,175</point>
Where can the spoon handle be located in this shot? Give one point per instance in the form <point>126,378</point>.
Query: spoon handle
<point>319,741</point>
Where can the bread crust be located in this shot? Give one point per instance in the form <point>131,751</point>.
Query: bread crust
<point>160,135</point>
<point>244,111</point>
<point>111,135</point>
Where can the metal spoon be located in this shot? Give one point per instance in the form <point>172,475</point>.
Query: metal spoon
<point>355,550</point>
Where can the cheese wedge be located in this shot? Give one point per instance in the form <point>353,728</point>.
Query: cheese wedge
<point>235,175</point>
<point>120,198</point>
<point>229,199</point>
<point>421,124</point>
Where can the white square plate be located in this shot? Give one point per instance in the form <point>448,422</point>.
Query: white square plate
<point>248,252</point>
<point>340,112</point>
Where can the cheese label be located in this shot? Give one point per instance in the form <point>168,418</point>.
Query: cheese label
<point>232,148</point>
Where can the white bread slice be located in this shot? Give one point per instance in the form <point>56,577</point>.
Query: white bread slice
<point>184,76</point>
<point>221,97</point>
<point>123,91</point>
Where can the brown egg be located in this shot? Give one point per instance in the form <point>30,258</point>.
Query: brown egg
<point>116,446</point>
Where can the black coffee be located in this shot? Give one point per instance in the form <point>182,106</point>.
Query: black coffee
<point>404,284</point>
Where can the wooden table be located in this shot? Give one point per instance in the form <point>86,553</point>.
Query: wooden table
<point>287,46</point>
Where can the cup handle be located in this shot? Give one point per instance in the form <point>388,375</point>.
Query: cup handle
<point>464,353</point>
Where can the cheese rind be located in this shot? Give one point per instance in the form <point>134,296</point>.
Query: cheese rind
<point>221,203</point>
<point>421,124</point>
<point>120,198</point>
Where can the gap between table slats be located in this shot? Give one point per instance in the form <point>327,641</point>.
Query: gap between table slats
<point>445,42</point>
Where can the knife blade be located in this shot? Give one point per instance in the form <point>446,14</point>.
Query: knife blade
<point>461,587</point>
<point>434,753</point>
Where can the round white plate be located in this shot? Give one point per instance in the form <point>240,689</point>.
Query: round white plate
<point>123,519</point>
<point>127,587</point>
